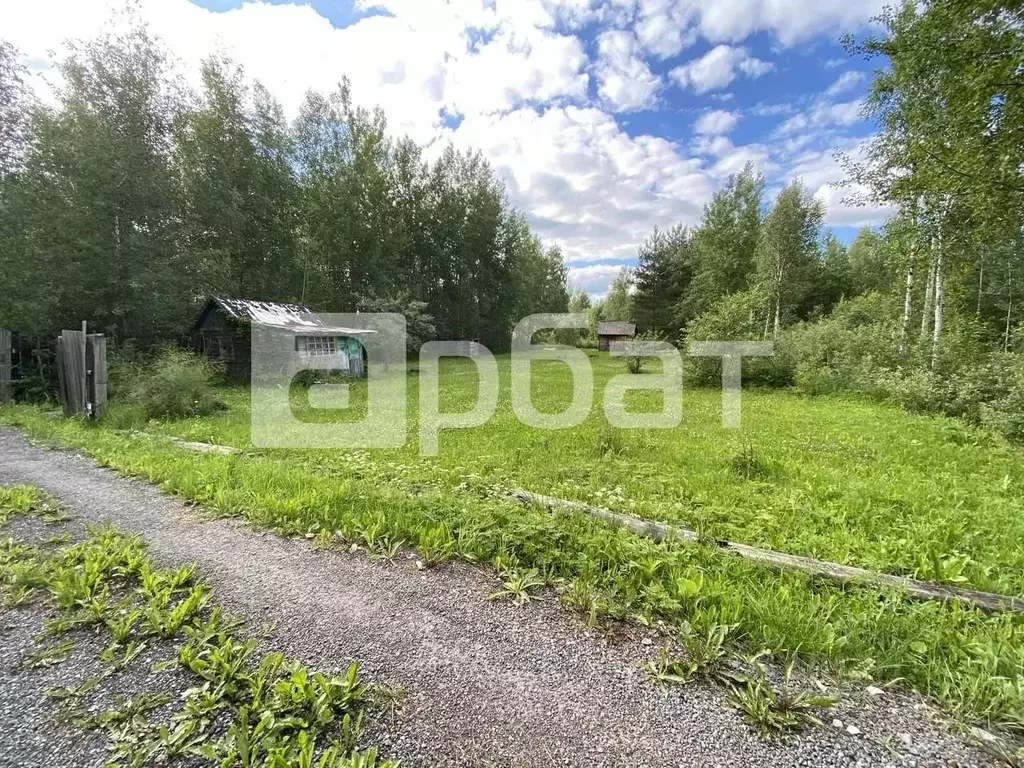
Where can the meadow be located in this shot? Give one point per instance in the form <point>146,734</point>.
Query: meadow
<point>840,479</point>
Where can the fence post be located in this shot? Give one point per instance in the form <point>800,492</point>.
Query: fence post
<point>6,395</point>
<point>96,374</point>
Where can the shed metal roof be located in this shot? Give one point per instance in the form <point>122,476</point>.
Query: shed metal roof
<point>295,318</point>
<point>617,328</point>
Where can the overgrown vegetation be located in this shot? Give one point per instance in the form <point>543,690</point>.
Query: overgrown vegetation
<point>245,709</point>
<point>969,660</point>
<point>177,385</point>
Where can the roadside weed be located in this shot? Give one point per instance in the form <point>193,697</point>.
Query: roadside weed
<point>773,711</point>
<point>270,712</point>
<point>48,657</point>
<point>518,586</point>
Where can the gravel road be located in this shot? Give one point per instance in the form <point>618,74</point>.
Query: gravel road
<point>487,683</point>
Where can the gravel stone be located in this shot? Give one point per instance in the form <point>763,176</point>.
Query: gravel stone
<point>487,683</point>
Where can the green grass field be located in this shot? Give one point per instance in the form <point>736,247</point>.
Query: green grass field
<point>838,479</point>
<point>844,480</point>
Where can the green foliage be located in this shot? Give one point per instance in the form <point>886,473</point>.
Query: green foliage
<point>746,463</point>
<point>787,257</point>
<point>419,325</point>
<point>130,199</point>
<point>618,304</point>
<point>662,276</point>
<point>246,710</point>
<point>178,385</point>
<point>773,711</point>
<point>725,244</point>
<point>636,363</point>
<point>518,586</point>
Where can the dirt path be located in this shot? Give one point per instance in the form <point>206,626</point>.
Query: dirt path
<point>488,684</point>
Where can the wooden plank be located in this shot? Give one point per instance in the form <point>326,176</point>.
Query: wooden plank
<point>6,391</point>
<point>84,342</point>
<point>62,386</point>
<point>842,574</point>
<point>96,364</point>
<point>71,360</point>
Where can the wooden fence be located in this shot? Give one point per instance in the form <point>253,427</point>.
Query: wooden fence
<point>82,372</point>
<point>6,393</point>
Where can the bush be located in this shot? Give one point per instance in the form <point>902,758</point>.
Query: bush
<point>636,363</point>
<point>844,350</point>
<point>178,385</point>
<point>735,318</point>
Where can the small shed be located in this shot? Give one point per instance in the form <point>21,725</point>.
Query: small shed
<point>223,332</point>
<point>607,332</point>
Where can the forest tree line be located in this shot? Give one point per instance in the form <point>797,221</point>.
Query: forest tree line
<point>132,198</point>
<point>926,310</point>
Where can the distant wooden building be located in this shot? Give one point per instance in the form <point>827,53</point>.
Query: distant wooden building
<point>223,333</point>
<point>607,332</point>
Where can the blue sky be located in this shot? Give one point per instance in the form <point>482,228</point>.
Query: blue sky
<point>605,118</point>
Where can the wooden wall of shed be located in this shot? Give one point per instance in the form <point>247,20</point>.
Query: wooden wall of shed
<point>227,342</point>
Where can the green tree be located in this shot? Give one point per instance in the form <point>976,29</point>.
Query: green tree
<point>102,214</point>
<point>788,262</point>
<point>725,244</point>
<point>238,195</point>
<point>948,144</point>
<point>618,304</point>
<point>663,273</point>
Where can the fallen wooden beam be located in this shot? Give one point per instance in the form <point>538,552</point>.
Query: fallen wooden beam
<point>843,574</point>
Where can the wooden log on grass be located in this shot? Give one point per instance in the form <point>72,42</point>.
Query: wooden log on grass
<point>842,574</point>
<point>653,529</point>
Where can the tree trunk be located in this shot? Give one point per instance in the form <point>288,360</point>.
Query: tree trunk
<point>981,283</point>
<point>1009,307</point>
<point>907,308</point>
<point>939,301</point>
<point>929,294</point>
<point>775,335</point>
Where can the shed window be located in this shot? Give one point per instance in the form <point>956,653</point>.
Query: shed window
<point>318,346</point>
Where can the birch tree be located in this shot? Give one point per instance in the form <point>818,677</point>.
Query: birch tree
<point>788,261</point>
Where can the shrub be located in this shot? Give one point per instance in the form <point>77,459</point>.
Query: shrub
<point>843,350</point>
<point>636,363</point>
<point>736,318</point>
<point>179,385</point>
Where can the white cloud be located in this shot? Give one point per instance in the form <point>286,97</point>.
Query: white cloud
<point>412,64</point>
<point>844,83</point>
<point>626,83</point>
<point>719,67</point>
<point>665,27</point>
<point>716,122</point>
<point>595,279</point>
<point>822,115</point>
<point>586,183</point>
<point>790,21</point>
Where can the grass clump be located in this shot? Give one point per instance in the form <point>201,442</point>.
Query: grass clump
<point>775,711</point>
<point>244,709</point>
<point>746,463</point>
<point>178,385</point>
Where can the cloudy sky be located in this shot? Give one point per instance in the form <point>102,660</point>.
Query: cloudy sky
<point>604,117</point>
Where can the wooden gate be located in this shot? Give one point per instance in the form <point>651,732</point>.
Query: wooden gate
<point>82,373</point>
<point>6,393</point>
